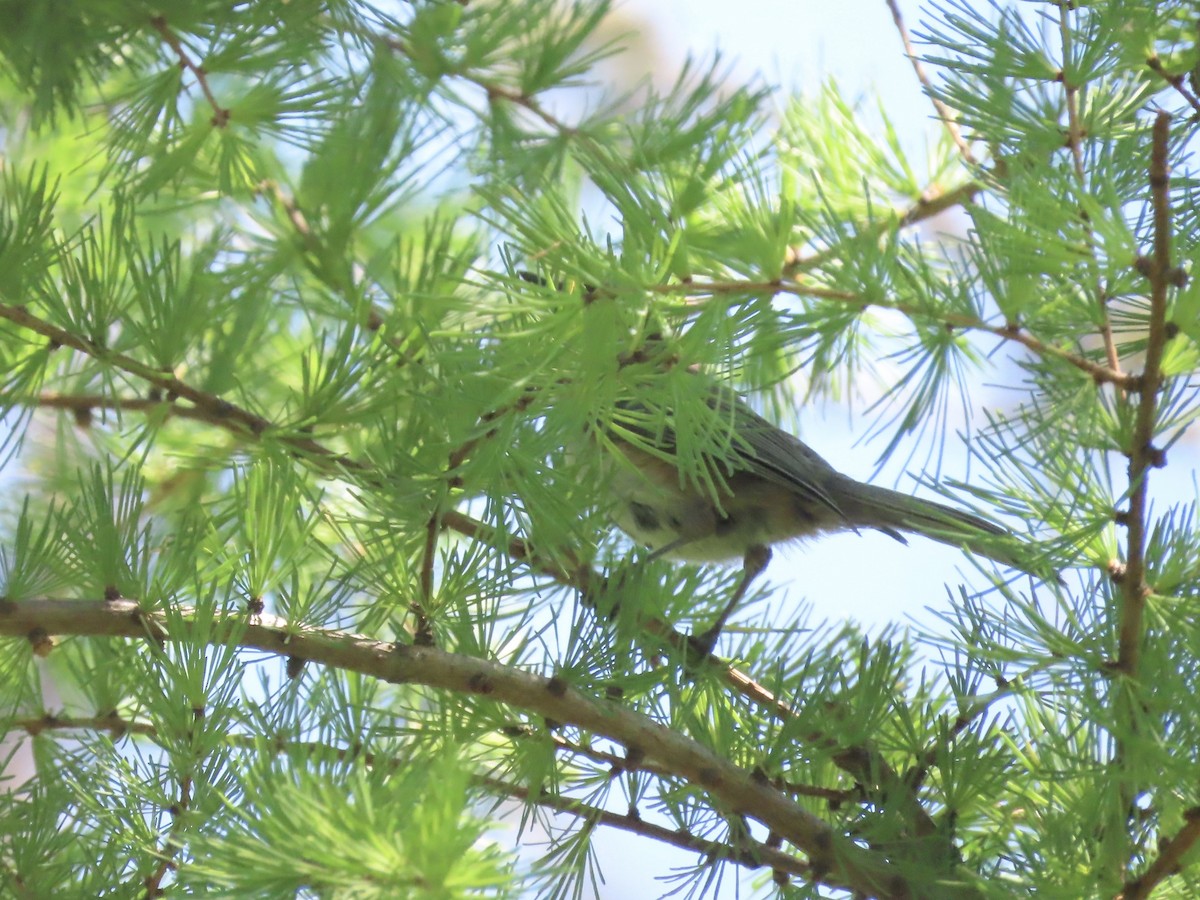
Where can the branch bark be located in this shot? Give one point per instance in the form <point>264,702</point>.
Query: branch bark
<point>835,859</point>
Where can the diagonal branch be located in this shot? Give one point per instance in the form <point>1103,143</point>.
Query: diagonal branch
<point>1170,859</point>
<point>943,111</point>
<point>214,409</point>
<point>221,114</point>
<point>1154,63</point>
<point>839,860</point>
<point>746,852</point>
<point>933,202</point>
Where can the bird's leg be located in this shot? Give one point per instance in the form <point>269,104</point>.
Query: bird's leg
<point>753,563</point>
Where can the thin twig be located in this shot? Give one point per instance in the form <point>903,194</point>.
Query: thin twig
<point>928,757</point>
<point>1176,81</point>
<point>493,90</point>
<point>84,406</point>
<point>172,844</point>
<point>423,630</point>
<point>219,412</point>
<point>221,115</point>
<point>1075,145</point>
<point>1098,372</point>
<point>619,764</point>
<point>931,203</point>
<point>944,112</point>
<point>375,317</point>
<point>746,852</point>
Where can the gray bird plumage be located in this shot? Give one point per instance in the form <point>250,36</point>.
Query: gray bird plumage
<point>767,488</point>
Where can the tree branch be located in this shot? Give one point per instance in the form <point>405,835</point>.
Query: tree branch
<point>172,844</point>
<point>1176,81</point>
<point>219,412</point>
<point>1169,861</point>
<point>221,114</point>
<point>748,853</point>
<point>931,203</point>
<point>837,859</point>
<point>1075,145</point>
<point>1143,455</point>
<point>1098,372</point>
<point>943,111</point>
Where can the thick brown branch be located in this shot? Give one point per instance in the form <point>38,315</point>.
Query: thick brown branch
<point>843,863</point>
<point>1143,456</point>
<point>1169,861</point>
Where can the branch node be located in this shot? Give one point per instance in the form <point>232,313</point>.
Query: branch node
<point>40,641</point>
<point>479,683</point>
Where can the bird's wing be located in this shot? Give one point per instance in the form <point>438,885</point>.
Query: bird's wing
<point>758,447</point>
<point>773,454</point>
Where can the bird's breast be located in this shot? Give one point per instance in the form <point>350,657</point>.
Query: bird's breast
<point>655,507</point>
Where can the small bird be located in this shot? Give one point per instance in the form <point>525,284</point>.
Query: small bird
<point>768,487</point>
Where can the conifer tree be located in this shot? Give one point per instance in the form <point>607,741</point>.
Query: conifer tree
<point>317,321</point>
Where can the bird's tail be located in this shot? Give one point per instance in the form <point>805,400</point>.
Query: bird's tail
<point>868,506</point>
